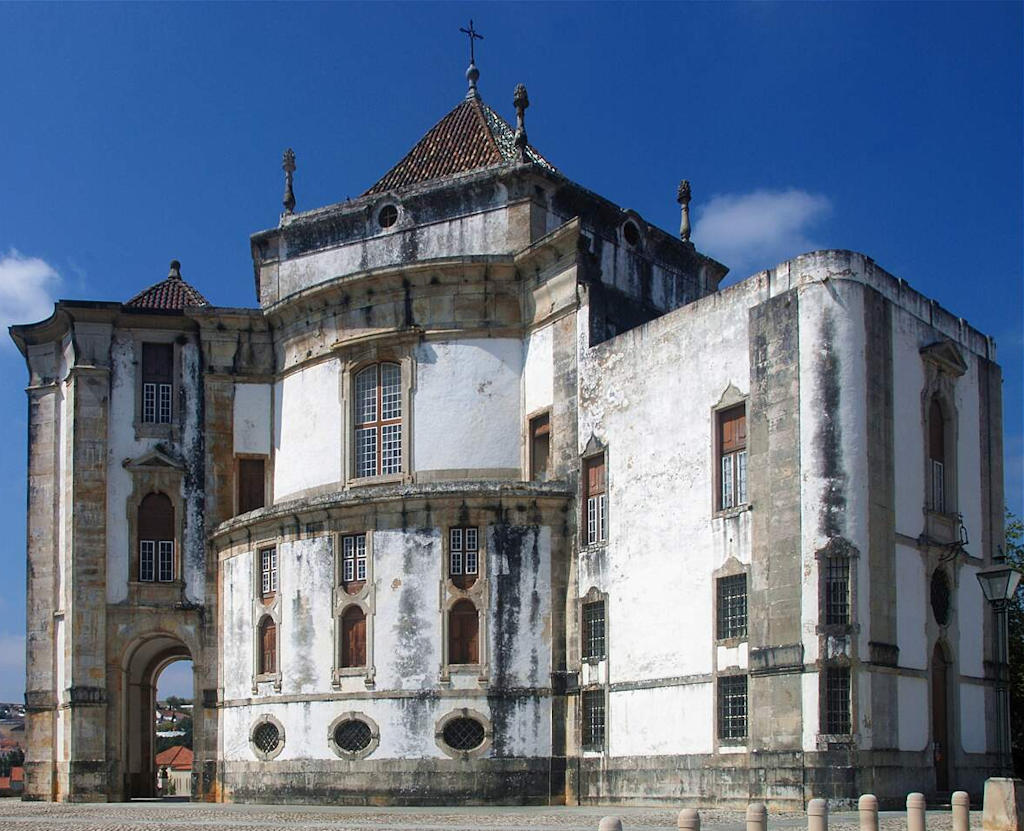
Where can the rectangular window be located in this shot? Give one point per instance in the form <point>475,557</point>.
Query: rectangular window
<point>268,571</point>
<point>732,707</point>
<point>596,500</point>
<point>147,560</point>
<point>463,556</point>
<point>593,630</point>
<point>157,382</point>
<point>378,420</point>
<point>251,488</point>
<point>540,447</point>
<point>837,590</point>
<point>938,486</point>
<point>353,558</point>
<point>732,606</point>
<point>732,457</point>
<point>593,720</point>
<point>837,700</point>
<point>165,551</point>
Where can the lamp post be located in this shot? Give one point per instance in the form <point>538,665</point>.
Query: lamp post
<point>998,583</point>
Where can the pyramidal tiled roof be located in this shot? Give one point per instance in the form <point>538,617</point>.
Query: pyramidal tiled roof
<point>172,293</point>
<point>471,137</point>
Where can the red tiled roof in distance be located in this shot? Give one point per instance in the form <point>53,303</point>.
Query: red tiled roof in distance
<point>178,757</point>
<point>18,774</point>
<point>172,293</point>
<point>471,137</point>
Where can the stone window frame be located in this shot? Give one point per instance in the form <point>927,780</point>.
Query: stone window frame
<point>943,365</point>
<point>593,451</point>
<point>825,738</point>
<point>594,749</point>
<point>478,594</point>
<point>265,756</point>
<point>341,600</point>
<point>593,596</point>
<point>156,472</point>
<point>268,480</point>
<point>730,399</point>
<point>732,741</point>
<point>360,357</point>
<point>353,755</point>
<point>531,434</point>
<point>731,568</point>
<point>263,607</point>
<point>837,547</point>
<point>374,226</point>
<point>639,226</point>
<point>463,712</point>
<point>149,429</point>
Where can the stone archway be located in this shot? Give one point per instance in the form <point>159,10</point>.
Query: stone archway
<point>141,667</point>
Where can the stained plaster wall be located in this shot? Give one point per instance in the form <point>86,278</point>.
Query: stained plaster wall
<point>307,429</point>
<point>407,698</point>
<point>124,445</point>
<point>252,418</point>
<point>466,405</point>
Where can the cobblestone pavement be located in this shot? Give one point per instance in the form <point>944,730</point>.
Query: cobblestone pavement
<point>16,815</point>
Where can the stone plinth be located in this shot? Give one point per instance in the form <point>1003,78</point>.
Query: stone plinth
<point>1004,805</point>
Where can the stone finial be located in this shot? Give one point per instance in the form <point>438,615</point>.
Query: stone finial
<point>683,198</point>
<point>472,75</point>
<point>288,166</point>
<point>520,101</point>
<point>175,272</point>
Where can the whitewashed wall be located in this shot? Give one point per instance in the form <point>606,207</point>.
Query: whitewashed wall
<point>538,372</point>
<point>466,404</point>
<point>252,418</point>
<point>307,429</point>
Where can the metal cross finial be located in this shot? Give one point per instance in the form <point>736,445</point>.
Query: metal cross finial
<point>472,34</point>
<point>288,166</point>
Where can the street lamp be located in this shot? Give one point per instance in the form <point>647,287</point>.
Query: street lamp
<point>998,584</point>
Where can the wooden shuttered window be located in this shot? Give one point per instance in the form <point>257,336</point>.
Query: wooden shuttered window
<point>732,457</point>
<point>155,531</point>
<point>251,488</point>
<point>353,637</point>
<point>595,500</point>
<point>463,634</point>
<point>157,382</point>
<point>268,646</point>
<point>540,447</point>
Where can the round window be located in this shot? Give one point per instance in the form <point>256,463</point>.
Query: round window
<point>266,737</point>
<point>940,597</point>
<point>388,216</point>
<point>631,234</point>
<point>463,734</point>
<point>353,735</point>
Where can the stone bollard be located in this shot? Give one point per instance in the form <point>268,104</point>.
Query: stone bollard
<point>915,812</point>
<point>757,817</point>
<point>1003,808</point>
<point>867,805</point>
<point>610,824</point>
<point>817,815</point>
<point>961,802</point>
<point>689,820</point>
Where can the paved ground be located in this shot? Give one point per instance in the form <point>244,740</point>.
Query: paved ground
<point>16,815</point>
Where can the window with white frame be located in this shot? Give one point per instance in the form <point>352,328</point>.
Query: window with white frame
<point>155,529</point>
<point>463,556</point>
<point>378,420</point>
<point>595,500</point>
<point>268,571</point>
<point>157,382</point>
<point>731,438</point>
<point>353,562</point>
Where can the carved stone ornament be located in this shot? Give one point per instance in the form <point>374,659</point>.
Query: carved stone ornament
<point>288,166</point>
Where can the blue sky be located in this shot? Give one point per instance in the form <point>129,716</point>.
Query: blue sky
<point>135,134</point>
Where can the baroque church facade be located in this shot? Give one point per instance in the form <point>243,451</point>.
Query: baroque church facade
<point>496,496</point>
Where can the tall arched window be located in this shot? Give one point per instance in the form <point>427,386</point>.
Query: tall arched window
<point>156,538</point>
<point>267,634</point>
<point>463,627</point>
<point>353,637</point>
<point>378,420</point>
<point>937,456</point>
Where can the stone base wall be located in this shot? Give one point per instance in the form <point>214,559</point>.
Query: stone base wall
<point>394,782</point>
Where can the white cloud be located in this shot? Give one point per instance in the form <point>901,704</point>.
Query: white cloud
<point>12,668</point>
<point>751,231</point>
<point>28,287</point>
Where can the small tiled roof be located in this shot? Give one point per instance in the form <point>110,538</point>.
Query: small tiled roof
<point>172,293</point>
<point>17,774</point>
<point>178,757</point>
<point>471,137</point>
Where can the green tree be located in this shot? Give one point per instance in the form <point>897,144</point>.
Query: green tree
<point>1015,625</point>
<point>164,742</point>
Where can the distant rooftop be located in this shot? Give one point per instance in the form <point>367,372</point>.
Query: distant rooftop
<point>173,293</point>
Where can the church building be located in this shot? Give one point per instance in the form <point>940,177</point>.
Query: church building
<point>495,496</point>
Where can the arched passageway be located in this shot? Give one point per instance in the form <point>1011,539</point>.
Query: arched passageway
<point>141,670</point>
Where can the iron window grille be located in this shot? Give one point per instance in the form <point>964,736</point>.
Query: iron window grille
<point>463,734</point>
<point>732,606</point>
<point>732,707</point>
<point>594,630</point>
<point>266,737</point>
<point>593,720</point>
<point>837,700</point>
<point>353,735</point>
<point>837,590</point>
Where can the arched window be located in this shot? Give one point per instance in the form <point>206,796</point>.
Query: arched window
<point>267,634</point>
<point>463,627</point>
<point>156,538</point>
<point>353,637</point>
<point>937,456</point>
<point>378,420</point>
